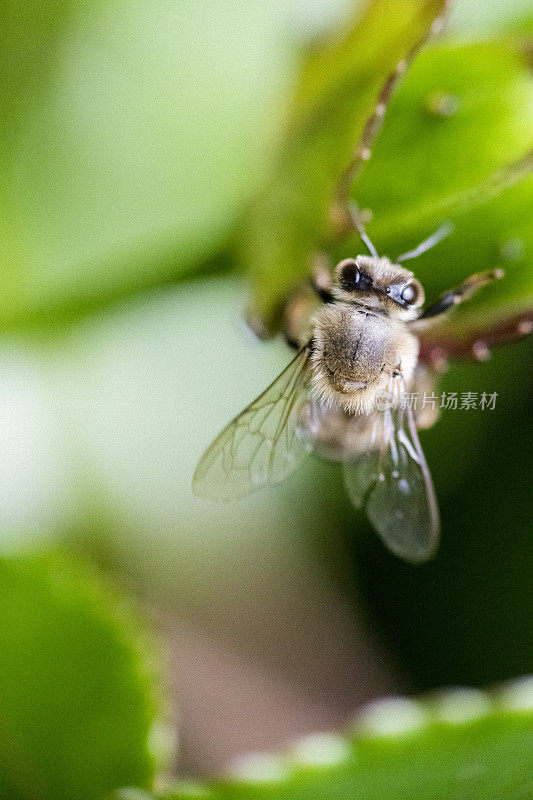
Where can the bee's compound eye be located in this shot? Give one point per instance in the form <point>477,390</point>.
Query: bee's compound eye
<point>410,293</point>
<point>348,275</point>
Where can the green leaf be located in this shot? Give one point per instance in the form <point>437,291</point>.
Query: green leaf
<point>431,164</point>
<point>77,704</point>
<point>463,112</point>
<point>492,233</point>
<point>478,18</point>
<point>337,92</point>
<point>132,135</point>
<point>469,111</point>
<point>458,746</point>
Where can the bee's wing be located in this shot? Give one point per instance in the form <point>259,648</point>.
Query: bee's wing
<point>261,445</point>
<point>393,482</point>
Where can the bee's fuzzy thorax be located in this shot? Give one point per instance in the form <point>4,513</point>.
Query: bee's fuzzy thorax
<point>355,353</point>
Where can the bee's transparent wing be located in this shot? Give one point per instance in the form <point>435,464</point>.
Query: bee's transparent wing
<point>261,445</point>
<point>393,483</point>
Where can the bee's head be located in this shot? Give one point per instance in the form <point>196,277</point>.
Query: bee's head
<point>378,283</point>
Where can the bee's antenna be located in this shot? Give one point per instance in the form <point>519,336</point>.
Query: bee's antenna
<point>356,219</point>
<point>371,249</point>
<point>427,244</point>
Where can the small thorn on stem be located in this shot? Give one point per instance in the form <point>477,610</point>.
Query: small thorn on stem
<point>437,25</point>
<point>441,104</point>
<point>439,361</point>
<point>480,351</point>
<point>524,327</point>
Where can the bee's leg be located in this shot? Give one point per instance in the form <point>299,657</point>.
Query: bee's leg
<point>462,292</point>
<point>292,343</point>
<point>321,279</point>
<point>296,317</point>
<point>303,303</point>
<point>322,293</point>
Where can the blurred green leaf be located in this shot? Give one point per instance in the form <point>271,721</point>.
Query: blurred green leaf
<point>430,164</point>
<point>497,232</point>
<point>463,112</point>
<point>132,135</point>
<point>337,92</point>
<point>437,759</point>
<point>77,704</point>
<point>476,18</point>
<point>463,115</point>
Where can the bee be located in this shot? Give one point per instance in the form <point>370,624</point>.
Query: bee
<point>342,397</point>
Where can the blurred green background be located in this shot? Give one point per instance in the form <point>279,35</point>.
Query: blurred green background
<point>165,166</point>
